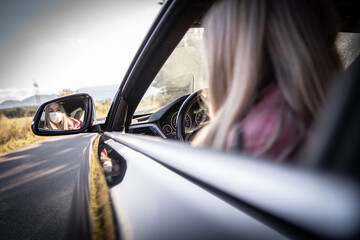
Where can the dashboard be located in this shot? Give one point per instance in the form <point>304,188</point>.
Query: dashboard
<point>163,123</point>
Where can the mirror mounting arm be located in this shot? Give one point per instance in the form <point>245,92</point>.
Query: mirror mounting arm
<point>117,119</point>
<point>96,128</point>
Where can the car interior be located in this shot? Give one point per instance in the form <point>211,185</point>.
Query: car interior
<point>174,111</point>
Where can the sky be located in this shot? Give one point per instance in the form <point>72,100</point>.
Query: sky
<point>68,44</point>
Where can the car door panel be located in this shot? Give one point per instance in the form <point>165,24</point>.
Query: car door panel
<point>152,202</point>
<point>172,175</point>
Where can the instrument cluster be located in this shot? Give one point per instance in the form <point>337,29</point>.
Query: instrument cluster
<point>194,119</point>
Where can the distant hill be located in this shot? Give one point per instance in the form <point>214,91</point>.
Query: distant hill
<point>101,93</point>
<point>31,101</point>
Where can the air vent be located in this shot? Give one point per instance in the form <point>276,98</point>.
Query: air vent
<point>142,119</point>
<point>142,131</point>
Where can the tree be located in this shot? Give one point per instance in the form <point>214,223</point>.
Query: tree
<point>66,91</point>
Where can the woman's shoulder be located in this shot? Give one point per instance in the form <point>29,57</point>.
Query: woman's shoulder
<point>73,123</point>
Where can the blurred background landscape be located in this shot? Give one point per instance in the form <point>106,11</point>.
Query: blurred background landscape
<point>51,48</point>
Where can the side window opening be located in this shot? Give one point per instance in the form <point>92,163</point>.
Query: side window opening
<point>180,75</point>
<point>348,45</point>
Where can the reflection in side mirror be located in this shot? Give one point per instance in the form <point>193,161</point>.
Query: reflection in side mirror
<point>65,115</point>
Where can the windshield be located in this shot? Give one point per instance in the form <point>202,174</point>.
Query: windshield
<point>180,75</point>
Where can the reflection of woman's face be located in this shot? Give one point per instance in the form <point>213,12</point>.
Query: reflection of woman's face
<point>55,113</point>
<point>54,107</point>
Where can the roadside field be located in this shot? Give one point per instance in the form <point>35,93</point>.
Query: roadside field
<point>15,126</point>
<point>15,133</point>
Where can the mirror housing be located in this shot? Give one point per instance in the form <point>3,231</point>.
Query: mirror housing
<point>65,115</point>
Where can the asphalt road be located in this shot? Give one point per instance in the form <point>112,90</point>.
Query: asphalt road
<point>36,187</point>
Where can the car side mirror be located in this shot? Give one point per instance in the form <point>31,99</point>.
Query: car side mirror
<point>66,115</point>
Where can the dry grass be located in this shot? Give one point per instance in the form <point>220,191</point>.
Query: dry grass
<point>102,223</point>
<point>101,109</point>
<point>15,133</point>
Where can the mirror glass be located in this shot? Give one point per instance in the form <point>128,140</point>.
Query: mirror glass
<point>66,114</point>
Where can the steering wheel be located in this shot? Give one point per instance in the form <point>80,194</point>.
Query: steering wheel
<point>194,102</point>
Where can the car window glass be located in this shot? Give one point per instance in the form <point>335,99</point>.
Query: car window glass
<point>180,75</point>
<point>182,72</point>
<point>348,45</point>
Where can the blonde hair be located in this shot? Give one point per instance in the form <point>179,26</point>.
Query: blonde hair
<point>250,43</point>
<point>50,125</point>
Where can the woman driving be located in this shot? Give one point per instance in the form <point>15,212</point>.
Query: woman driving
<point>269,65</point>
